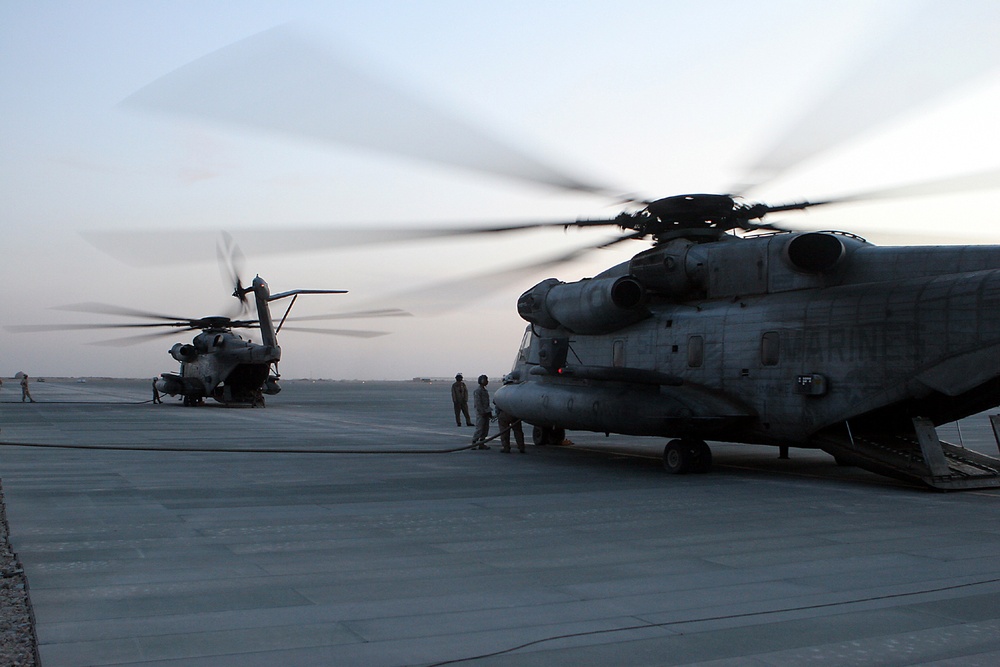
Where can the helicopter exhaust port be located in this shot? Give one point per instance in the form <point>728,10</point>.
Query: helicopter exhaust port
<point>588,306</point>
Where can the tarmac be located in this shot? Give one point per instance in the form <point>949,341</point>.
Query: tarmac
<point>345,533</point>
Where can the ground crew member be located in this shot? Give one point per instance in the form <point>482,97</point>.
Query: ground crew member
<point>25,392</point>
<point>156,394</point>
<point>481,404</point>
<point>460,398</point>
<point>508,423</point>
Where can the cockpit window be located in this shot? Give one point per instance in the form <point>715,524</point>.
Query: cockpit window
<point>522,352</point>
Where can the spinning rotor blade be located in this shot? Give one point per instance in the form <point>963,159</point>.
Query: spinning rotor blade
<point>162,247</point>
<point>277,80</point>
<point>984,180</point>
<point>174,324</point>
<point>452,294</point>
<point>978,181</point>
<point>939,49</point>
<point>128,341</point>
<point>111,309</point>
<point>35,328</point>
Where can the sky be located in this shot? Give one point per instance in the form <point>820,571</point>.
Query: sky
<point>648,98</point>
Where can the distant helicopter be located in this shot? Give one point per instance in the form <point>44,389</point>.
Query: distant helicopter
<point>219,363</point>
<point>728,328</point>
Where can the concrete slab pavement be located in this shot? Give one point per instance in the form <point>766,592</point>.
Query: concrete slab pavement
<point>589,554</point>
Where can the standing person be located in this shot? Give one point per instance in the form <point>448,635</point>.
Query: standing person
<point>508,423</point>
<point>25,392</point>
<point>460,398</point>
<point>156,393</point>
<point>481,404</point>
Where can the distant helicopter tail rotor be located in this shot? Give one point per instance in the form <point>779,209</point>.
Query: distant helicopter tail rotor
<point>231,263</point>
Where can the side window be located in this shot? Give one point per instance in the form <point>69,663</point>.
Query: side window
<point>770,348</point>
<point>696,351</point>
<point>618,354</point>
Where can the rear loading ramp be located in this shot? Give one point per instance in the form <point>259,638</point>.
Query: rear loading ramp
<point>919,457</point>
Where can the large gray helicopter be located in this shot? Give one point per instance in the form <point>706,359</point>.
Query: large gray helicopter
<point>809,339</point>
<point>219,363</point>
<point>727,328</point>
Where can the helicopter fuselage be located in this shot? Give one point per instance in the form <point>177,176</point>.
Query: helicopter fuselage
<point>222,365</point>
<point>774,339</point>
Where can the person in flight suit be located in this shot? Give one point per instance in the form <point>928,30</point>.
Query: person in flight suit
<point>460,398</point>
<point>25,392</point>
<point>481,404</point>
<point>508,423</point>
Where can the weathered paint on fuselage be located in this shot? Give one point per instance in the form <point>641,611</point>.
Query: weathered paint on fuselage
<point>884,334</point>
<point>223,366</point>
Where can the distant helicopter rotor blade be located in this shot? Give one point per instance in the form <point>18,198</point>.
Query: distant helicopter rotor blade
<point>129,341</point>
<point>36,328</point>
<point>922,62</point>
<point>278,80</point>
<point>174,330</point>
<point>97,308</point>
<point>353,333</point>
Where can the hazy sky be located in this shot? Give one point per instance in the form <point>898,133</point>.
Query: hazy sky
<point>653,98</point>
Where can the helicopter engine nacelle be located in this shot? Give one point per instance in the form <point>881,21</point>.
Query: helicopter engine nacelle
<point>183,353</point>
<point>676,268</point>
<point>589,306</point>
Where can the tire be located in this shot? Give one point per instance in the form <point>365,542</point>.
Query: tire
<point>687,456</point>
<point>676,457</point>
<point>547,435</point>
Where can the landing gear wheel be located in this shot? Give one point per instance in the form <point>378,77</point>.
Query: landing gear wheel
<point>547,435</point>
<point>684,456</point>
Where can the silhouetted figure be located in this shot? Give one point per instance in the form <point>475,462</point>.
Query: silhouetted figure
<point>508,424</point>
<point>460,398</point>
<point>481,403</point>
<point>25,391</point>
